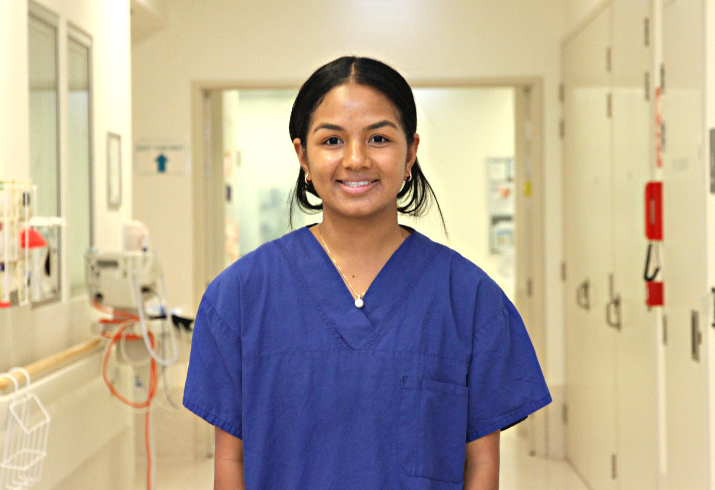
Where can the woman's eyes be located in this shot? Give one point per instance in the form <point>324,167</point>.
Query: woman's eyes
<point>378,138</point>
<point>334,140</point>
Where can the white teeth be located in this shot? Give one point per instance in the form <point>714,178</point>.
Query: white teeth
<point>356,184</point>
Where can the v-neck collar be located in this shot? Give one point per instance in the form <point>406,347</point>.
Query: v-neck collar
<point>357,328</point>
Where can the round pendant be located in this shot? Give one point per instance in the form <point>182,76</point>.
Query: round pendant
<point>359,303</point>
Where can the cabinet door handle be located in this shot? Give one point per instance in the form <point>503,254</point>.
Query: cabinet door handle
<point>582,297</point>
<point>613,312</point>
<point>696,338</point>
<point>613,307</point>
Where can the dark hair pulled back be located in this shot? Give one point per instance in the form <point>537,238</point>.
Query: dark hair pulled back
<point>416,195</point>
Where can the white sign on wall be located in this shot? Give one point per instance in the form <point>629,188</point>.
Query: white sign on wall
<point>167,156</point>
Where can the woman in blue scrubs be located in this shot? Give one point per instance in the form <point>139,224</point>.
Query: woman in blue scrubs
<point>357,353</point>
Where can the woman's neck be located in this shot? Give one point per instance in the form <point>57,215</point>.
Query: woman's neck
<point>356,238</point>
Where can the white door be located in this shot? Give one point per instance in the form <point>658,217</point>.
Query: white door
<point>636,368</point>
<point>684,244</point>
<point>590,341</point>
<point>709,184</point>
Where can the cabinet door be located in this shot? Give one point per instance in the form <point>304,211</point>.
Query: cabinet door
<point>684,243</point>
<point>709,184</point>
<point>637,344</point>
<point>590,342</point>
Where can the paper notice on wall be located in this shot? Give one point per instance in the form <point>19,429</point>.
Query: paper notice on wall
<point>501,204</point>
<point>164,156</point>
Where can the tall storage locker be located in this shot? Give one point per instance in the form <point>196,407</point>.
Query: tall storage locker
<point>684,244</point>
<point>603,238</point>
<point>611,335</point>
<point>590,343</point>
<point>709,185</point>
<point>637,339</point>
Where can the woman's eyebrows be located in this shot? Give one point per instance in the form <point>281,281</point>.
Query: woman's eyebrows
<point>332,127</point>
<point>380,125</point>
<point>377,125</point>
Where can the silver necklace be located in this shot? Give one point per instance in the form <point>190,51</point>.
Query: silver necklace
<point>359,302</point>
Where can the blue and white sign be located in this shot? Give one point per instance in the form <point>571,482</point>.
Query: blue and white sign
<point>166,156</point>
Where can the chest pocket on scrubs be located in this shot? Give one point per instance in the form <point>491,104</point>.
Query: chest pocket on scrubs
<point>432,428</point>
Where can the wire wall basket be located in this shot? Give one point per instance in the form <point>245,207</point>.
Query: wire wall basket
<point>28,425</point>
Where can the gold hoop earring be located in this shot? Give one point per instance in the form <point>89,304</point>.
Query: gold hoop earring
<point>409,177</point>
<point>307,182</point>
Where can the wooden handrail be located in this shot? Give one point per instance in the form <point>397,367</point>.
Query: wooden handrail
<point>49,364</point>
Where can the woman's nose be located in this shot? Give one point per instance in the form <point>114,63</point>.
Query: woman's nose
<point>356,157</point>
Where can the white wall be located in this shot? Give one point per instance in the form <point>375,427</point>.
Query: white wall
<point>282,42</point>
<point>14,94</point>
<point>578,11</point>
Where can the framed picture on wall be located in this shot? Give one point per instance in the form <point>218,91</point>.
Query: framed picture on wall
<point>114,170</point>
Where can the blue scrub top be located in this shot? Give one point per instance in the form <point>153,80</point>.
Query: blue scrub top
<point>328,396</point>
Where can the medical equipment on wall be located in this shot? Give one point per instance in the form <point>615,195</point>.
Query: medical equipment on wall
<point>129,286</point>
<point>28,247</point>
<point>136,236</point>
<point>28,425</point>
<point>654,234</point>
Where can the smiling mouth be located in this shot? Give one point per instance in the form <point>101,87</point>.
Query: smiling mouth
<point>361,183</point>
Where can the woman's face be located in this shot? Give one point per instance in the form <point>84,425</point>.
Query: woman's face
<point>356,153</point>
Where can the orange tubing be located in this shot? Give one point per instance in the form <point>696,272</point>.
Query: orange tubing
<point>115,313</point>
<point>124,320</point>
<point>153,378</point>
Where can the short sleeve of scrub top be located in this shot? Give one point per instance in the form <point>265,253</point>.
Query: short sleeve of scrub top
<point>325,395</point>
<point>216,378</point>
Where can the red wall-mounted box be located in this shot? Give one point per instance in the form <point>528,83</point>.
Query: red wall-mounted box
<point>654,210</point>
<point>654,293</point>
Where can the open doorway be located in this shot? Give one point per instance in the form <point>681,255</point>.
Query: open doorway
<point>260,169</point>
<point>467,152</point>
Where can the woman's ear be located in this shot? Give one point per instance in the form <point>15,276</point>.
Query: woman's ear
<point>301,154</point>
<point>412,152</point>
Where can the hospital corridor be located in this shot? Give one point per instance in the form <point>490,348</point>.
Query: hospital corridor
<point>200,271</point>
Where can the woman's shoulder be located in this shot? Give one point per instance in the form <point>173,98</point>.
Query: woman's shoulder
<point>451,261</point>
<point>464,275</point>
<point>258,264</point>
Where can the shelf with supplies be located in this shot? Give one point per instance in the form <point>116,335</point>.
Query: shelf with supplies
<point>29,247</point>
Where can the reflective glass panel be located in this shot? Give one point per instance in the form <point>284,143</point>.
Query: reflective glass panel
<point>44,152</point>
<point>79,217</point>
<point>44,161</point>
